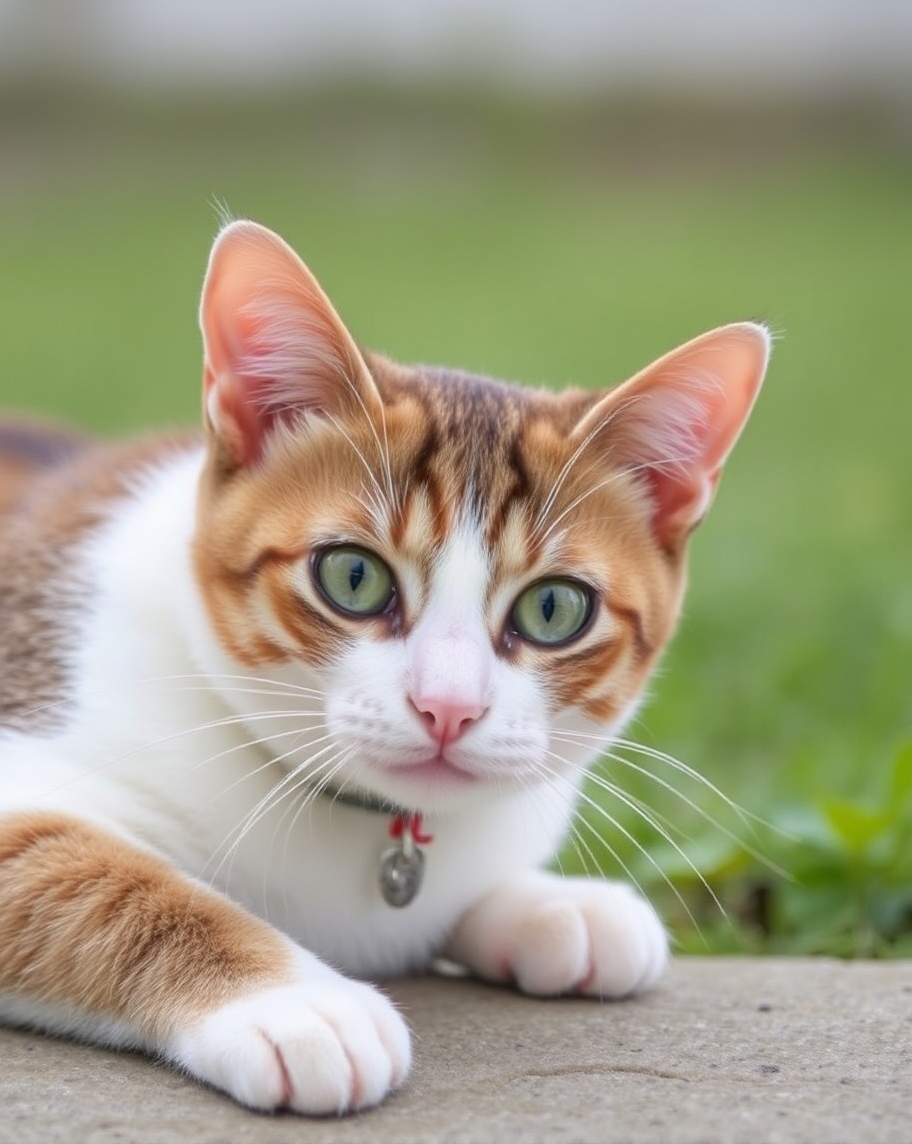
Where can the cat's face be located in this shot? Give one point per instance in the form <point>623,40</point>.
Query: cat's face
<point>470,580</point>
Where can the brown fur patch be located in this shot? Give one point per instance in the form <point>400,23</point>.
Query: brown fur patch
<point>27,450</point>
<point>88,921</point>
<point>54,488</point>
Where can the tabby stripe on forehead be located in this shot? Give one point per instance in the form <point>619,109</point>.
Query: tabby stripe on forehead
<point>519,490</point>
<point>420,468</point>
<point>421,475</point>
<point>440,516</point>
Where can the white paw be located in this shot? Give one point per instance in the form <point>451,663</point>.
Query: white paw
<point>328,1045</point>
<point>564,935</point>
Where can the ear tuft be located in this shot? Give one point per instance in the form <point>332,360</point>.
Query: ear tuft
<point>675,422</point>
<point>275,349</point>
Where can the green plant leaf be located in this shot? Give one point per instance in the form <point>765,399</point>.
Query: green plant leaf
<point>855,826</point>
<point>802,827</point>
<point>900,790</point>
<point>710,856</point>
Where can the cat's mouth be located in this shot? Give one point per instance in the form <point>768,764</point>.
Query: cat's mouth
<point>436,772</point>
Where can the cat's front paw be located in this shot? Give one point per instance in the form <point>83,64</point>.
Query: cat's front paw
<point>321,1047</point>
<point>554,935</point>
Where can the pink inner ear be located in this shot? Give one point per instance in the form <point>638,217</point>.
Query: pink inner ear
<point>698,421</point>
<point>232,399</point>
<point>274,346</point>
<point>680,504</point>
<point>675,422</point>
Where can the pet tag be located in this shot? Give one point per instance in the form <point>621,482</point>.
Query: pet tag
<point>401,871</point>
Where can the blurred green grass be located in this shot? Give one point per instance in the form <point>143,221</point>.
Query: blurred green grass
<point>556,248</point>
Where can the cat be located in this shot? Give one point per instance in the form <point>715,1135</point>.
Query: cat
<point>313,694</point>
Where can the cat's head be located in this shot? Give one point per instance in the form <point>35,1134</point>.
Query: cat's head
<point>468,581</point>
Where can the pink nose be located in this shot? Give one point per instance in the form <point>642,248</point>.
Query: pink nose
<point>447,720</point>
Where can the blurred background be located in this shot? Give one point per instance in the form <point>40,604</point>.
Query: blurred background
<point>553,193</point>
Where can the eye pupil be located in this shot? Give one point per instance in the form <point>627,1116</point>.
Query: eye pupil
<point>356,575</point>
<point>547,605</point>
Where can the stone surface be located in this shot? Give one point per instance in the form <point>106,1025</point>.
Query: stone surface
<point>725,1050</point>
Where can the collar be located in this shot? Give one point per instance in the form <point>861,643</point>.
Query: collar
<point>373,804</point>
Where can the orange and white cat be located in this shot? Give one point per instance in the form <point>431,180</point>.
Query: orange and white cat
<point>371,601</point>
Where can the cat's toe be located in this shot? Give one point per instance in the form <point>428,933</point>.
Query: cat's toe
<point>319,1049</point>
<point>551,949</point>
<point>601,941</point>
<point>628,946</point>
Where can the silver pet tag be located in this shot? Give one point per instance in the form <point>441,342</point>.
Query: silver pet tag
<point>401,872</point>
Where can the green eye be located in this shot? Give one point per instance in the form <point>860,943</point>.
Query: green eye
<point>354,580</point>
<point>552,612</point>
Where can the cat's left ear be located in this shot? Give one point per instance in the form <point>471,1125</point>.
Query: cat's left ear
<point>674,423</point>
<point>275,349</point>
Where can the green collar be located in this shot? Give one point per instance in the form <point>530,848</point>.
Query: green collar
<point>371,803</point>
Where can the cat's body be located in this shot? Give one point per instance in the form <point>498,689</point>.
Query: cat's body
<point>370,593</point>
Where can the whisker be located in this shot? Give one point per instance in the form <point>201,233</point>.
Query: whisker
<point>217,724</point>
<point>358,453</point>
<point>232,840</point>
<point>596,865</point>
<point>659,781</point>
<point>267,762</point>
<point>617,825</point>
<point>646,812</point>
<point>314,790</point>
<point>277,793</point>
<point>609,480</point>
<point>639,808</point>
<point>306,796</point>
<point>546,507</point>
<point>604,742</point>
<point>524,781</point>
<point>747,847</point>
<point>749,819</point>
<point>289,690</point>
<point>382,447</point>
<point>200,728</point>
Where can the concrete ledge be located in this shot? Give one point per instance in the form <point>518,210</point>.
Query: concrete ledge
<point>726,1050</point>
